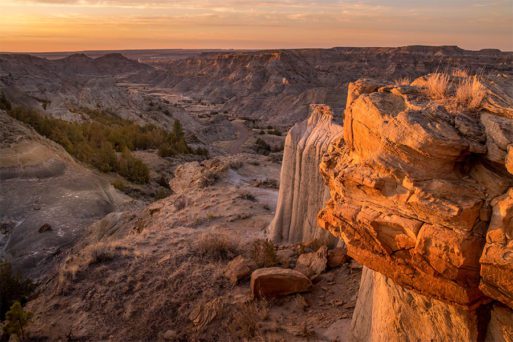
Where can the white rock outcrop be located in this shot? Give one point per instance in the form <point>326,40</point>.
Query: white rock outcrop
<point>302,190</point>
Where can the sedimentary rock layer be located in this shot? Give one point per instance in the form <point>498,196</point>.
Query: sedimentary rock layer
<point>413,183</point>
<point>302,190</point>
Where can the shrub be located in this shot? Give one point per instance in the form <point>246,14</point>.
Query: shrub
<point>217,246</point>
<point>245,317</point>
<point>4,103</point>
<point>437,85</point>
<point>470,93</point>
<point>15,320</point>
<point>132,168</point>
<point>404,81</point>
<point>12,288</point>
<point>248,197</point>
<point>263,252</point>
<point>261,147</point>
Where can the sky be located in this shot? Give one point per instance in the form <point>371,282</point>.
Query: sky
<point>76,25</point>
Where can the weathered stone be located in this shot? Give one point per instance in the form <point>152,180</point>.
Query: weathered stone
<point>45,228</point>
<point>313,264</point>
<point>411,184</point>
<point>500,327</point>
<point>238,268</point>
<point>387,312</point>
<point>337,257</point>
<point>285,256</point>
<point>276,281</point>
<point>497,258</point>
<point>302,191</point>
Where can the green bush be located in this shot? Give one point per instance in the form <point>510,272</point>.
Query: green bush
<point>12,288</point>
<point>96,142</point>
<point>15,320</point>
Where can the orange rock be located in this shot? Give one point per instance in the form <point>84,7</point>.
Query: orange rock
<point>410,186</point>
<point>276,281</point>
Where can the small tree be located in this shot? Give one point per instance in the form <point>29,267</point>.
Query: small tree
<point>16,319</point>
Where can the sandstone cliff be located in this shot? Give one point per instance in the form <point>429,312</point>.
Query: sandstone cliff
<point>419,188</point>
<point>302,190</point>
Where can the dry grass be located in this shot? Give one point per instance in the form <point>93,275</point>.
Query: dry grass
<point>470,93</point>
<point>263,252</point>
<point>460,73</point>
<point>245,317</point>
<point>98,253</point>
<point>404,81</point>
<point>437,85</point>
<point>217,246</point>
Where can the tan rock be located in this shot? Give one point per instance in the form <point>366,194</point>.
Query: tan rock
<point>302,191</point>
<point>337,257</point>
<point>387,312</point>
<point>239,268</point>
<point>411,186</point>
<point>500,327</point>
<point>285,257</point>
<point>313,264</point>
<point>497,258</point>
<point>276,281</point>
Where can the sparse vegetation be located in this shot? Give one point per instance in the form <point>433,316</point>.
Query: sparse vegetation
<point>437,85</point>
<point>244,319</point>
<point>470,92</point>
<point>93,254</point>
<point>15,321</point>
<point>96,142</point>
<point>404,81</point>
<point>248,197</point>
<point>217,246</point>
<point>13,288</point>
<point>4,103</point>
<point>261,147</point>
<point>263,252</point>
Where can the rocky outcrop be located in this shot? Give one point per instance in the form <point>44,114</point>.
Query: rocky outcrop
<point>388,312</point>
<point>421,193</point>
<point>412,184</point>
<point>302,190</point>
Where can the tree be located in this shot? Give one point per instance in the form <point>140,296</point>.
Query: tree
<point>12,288</point>
<point>16,319</point>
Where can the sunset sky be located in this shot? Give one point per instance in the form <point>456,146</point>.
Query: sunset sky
<point>70,25</point>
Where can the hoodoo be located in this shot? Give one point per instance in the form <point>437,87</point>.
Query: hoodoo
<point>302,190</point>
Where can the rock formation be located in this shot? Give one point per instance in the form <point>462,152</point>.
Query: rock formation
<point>416,186</point>
<point>302,190</point>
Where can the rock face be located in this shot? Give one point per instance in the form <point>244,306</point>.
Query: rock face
<point>302,191</point>
<point>387,312</point>
<point>421,192</point>
<point>276,281</point>
<point>412,184</point>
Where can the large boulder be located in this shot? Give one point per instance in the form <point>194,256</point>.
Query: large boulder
<point>276,281</point>
<point>412,185</point>
<point>302,191</point>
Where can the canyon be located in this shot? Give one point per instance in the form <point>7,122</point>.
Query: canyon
<point>334,176</point>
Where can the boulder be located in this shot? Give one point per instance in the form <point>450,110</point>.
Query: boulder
<point>302,191</point>
<point>337,257</point>
<point>313,264</point>
<point>276,281</point>
<point>238,268</point>
<point>285,257</point>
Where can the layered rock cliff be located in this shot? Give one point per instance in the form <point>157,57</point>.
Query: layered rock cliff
<point>419,193</point>
<point>302,190</point>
